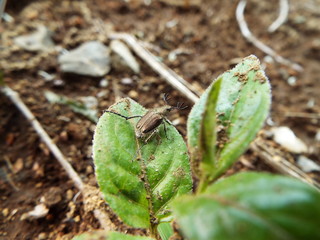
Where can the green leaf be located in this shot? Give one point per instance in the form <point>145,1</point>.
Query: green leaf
<point>165,230</point>
<point>136,187</point>
<point>104,235</point>
<point>242,106</point>
<point>92,235</point>
<point>208,129</point>
<point>122,236</point>
<point>251,206</point>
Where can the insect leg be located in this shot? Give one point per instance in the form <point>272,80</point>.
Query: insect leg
<point>137,152</point>
<point>120,115</point>
<point>151,134</point>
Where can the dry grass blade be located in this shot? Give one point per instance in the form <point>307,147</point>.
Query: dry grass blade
<point>260,45</point>
<point>170,76</point>
<point>274,158</point>
<point>282,17</point>
<point>15,98</point>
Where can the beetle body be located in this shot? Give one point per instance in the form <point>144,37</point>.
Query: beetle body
<point>151,120</point>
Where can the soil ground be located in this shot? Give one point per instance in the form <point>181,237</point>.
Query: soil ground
<point>209,38</point>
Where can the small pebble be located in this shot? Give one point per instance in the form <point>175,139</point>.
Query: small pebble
<point>18,165</point>
<point>42,236</point>
<point>64,136</point>
<point>311,103</point>
<point>47,77</point>
<point>91,59</point>
<point>102,94</point>
<point>5,212</point>
<point>172,23</point>
<point>39,211</point>
<point>58,83</point>
<point>124,56</point>
<point>40,40</point>
<point>317,137</point>
<point>126,81</point>
<point>104,83</point>
<point>133,94</point>
<point>268,59</point>
<point>287,139</point>
<point>292,81</point>
<point>69,194</point>
<point>77,218</point>
<point>307,165</point>
<point>89,169</point>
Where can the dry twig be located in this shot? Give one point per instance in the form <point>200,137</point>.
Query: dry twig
<point>282,17</point>
<point>273,158</point>
<point>260,45</point>
<point>170,76</point>
<point>302,115</point>
<point>14,97</point>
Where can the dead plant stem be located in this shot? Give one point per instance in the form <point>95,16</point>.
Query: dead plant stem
<point>15,98</point>
<point>170,76</point>
<point>256,42</point>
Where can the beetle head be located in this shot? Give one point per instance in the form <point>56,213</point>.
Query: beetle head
<point>179,106</point>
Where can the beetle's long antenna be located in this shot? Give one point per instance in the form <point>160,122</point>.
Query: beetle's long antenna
<point>180,106</point>
<point>120,115</point>
<point>166,98</point>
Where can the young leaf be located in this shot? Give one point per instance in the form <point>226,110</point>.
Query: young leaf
<point>93,235</point>
<point>251,206</point>
<point>208,130</point>
<point>104,235</point>
<point>165,230</point>
<point>242,106</point>
<point>137,179</point>
<point>122,236</point>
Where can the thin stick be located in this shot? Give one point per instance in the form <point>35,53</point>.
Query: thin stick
<point>14,96</point>
<point>7,175</point>
<point>170,76</point>
<point>302,115</point>
<point>282,17</point>
<point>116,90</point>
<point>260,45</point>
<point>275,160</point>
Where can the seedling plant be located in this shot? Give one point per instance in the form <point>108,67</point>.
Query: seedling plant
<point>145,170</point>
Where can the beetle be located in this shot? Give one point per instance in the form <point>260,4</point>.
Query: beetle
<point>149,122</point>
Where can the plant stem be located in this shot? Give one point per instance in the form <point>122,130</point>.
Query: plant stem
<point>203,183</point>
<point>154,231</point>
<point>153,220</point>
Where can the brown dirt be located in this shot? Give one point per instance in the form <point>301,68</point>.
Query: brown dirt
<point>209,35</point>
